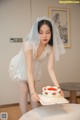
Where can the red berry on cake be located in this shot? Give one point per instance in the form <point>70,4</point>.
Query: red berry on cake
<point>46,93</point>
<point>53,93</point>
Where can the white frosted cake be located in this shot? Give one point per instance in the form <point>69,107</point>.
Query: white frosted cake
<point>51,95</point>
<point>51,91</point>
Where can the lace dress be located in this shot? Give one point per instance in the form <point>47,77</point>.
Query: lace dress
<point>18,67</point>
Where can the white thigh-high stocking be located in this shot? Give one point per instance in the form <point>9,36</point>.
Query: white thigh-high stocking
<point>23,94</point>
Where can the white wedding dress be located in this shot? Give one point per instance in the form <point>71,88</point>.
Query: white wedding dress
<point>18,67</point>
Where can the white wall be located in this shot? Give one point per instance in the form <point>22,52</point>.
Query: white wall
<point>15,21</point>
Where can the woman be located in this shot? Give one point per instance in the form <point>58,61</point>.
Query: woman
<point>43,41</point>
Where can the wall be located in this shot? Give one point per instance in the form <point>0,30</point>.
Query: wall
<point>15,21</point>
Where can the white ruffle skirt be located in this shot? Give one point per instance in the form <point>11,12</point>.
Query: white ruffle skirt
<point>17,67</point>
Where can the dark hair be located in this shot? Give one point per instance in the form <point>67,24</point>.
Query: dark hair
<point>40,23</point>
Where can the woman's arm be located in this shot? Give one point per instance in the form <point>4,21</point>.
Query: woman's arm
<point>51,68</point>
<point>28,55</point>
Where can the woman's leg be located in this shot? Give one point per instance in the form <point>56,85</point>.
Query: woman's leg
<point>34,104</point>
<point>23,94</point>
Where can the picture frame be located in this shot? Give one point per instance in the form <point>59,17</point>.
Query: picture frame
<point>61,18</point>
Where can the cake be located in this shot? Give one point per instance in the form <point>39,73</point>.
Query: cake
<point>51,91</point>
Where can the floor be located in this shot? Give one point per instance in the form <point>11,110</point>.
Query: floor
<point>14,112</point>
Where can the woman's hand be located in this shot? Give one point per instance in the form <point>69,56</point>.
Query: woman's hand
<point>35,97</point>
